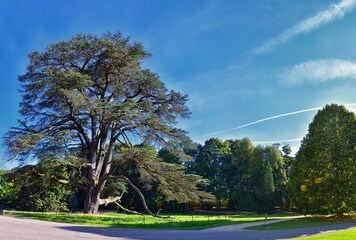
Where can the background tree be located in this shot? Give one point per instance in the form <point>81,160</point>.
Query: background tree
<point>279,171</point>
<point>2,183</point>
<point>288,161</point>
<point>236,171</point>
<point>249,178</point>
<point>323,175</point>
<point>167,156</point>
<point>4,189</point>
<point>89,94</point>
<point>27,191</point>
<point>260,183</point>
<point>209,163</point>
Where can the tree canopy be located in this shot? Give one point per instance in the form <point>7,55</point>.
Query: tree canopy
<point>323,176</point>
<point>86,103</point>
<point>248,177</point>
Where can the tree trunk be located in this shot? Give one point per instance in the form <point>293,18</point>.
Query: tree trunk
<point>91,204</point>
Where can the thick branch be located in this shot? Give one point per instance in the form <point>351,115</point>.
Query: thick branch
<point>110,199</point>
<point>80,127</point>
<point>143,200</point>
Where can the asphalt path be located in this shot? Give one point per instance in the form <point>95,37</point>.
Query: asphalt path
<point>15,228</point>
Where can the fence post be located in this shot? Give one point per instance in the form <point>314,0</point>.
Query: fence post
<point>265,219</point>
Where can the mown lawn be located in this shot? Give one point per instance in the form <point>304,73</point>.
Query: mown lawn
<point>312,221</point>
<point>176,221</point>
<point>341,235</point>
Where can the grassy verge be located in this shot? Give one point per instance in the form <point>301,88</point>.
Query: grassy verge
<point>178,221</point>
<point>341,235</point>
<point>313,221</point>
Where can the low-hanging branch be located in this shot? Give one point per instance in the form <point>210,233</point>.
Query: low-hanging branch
<point>127,210</point>
<point>143,200</point>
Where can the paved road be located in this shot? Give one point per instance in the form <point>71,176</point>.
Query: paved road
<point>13,228</point>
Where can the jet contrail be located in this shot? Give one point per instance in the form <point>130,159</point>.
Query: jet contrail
<point>273,117</point>
<point>332,13</point>
<point>278,141</point>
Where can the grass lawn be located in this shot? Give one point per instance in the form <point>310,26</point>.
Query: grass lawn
<point>176,221</point>
<point>341,235</point>
<point>306,222</point>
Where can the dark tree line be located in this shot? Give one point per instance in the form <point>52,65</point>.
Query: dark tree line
<point>239,175</point>
<point>242,176</point>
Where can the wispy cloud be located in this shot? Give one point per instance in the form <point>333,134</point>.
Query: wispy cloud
<point>271,118</point>
<point>332,13</point>
<point>318,71</point>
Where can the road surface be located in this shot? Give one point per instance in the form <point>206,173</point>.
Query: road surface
<point>15,228</point>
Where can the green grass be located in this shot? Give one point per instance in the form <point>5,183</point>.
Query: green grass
<point>313,221</point>
<point>340,235</point>
<point>177,221</point>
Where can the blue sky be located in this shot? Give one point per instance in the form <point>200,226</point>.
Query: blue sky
<point>239,61</point>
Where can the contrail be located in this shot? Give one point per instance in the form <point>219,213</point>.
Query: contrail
<point>278,141</point>
<point>273,117</point>
<point>331,14</point>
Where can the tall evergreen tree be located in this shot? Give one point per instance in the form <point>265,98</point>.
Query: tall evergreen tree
<point>89,95</point>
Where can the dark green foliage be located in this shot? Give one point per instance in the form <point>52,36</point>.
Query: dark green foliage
<point>288,161</point>
<point>209,163</point>
<point>168,157</point>
<point>261,181</point>
<point>178,153</point>
<point>247,177</point>
<point>27,191</point>
<point>4,189</point>
<point>323,176</point>
<point>236,171</point>
<point>52,199</point>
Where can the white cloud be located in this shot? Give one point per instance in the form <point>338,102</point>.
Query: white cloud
<point>333,13</point>
<point>319,70</point>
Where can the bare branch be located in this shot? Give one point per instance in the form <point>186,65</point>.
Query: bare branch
<point>127,210</point>
<point>110,199</point>
<point>143,200</point>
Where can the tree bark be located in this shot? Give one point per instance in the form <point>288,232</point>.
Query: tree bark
<point>91,204</point>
